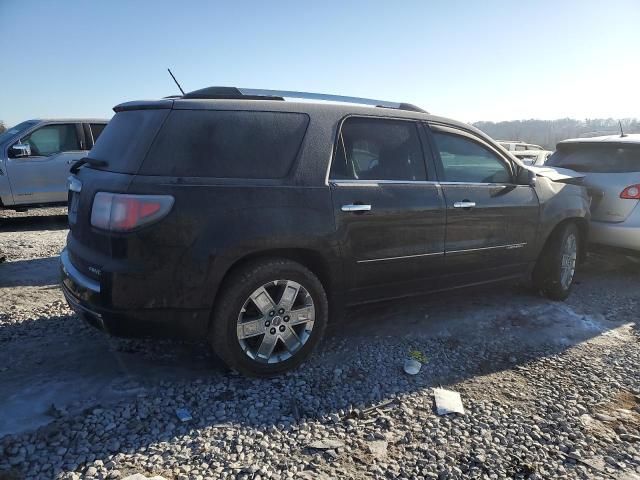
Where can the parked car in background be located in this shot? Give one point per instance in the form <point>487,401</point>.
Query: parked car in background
<point>532,157</point>
<point>611,165</point>
<point>236,216</point>
<point>35,158</point>
<point>518,146</point>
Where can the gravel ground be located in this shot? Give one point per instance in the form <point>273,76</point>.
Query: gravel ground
<point>551,390</point>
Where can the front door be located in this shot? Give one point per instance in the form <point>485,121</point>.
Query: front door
<point>491,221</point>
<point>390,217</point>
<point>42,176</point>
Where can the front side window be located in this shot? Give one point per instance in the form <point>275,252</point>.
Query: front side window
<point>378,149</point>
<point>52,139</point>
<point>464,160</point>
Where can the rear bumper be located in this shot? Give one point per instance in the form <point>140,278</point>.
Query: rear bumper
<point>87,298</point>
<point>624,235</point>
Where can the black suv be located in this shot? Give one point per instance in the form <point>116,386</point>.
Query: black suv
<point>239,217</point>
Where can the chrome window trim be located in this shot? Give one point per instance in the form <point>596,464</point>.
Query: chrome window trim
<point>416,121</point>
<point>402,257</point>
<point>376,183</point>
<point>481,184</point>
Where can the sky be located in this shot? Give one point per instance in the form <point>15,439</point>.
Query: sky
<point>470,60</point>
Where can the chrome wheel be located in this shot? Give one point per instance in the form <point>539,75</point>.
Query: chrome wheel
<point>568,259</point>
<point>275,321</point>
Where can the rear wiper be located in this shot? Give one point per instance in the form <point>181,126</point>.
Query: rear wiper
<point>87,160</point>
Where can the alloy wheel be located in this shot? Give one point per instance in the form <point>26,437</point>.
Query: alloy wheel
<point>568,260</point>
<point>275,321</point>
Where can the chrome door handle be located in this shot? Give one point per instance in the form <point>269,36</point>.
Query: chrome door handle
<point>464,204</point>
<point>356,208</point>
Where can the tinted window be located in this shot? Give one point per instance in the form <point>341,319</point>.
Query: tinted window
<point>52,139</point>
<point>464,160</point>
<point>226,144</point>
<point>597,158</point>
<point>96,130</point>
<point>376,149</point>
<point>125,141</point>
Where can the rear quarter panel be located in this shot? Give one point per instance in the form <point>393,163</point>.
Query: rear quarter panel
<point>214,223</point>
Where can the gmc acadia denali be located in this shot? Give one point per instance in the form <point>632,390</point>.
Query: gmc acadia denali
<point>234,215</point>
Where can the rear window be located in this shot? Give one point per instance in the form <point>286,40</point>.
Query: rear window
<point>226,144</point>
<point>126,139</point>
<point>597,158</point>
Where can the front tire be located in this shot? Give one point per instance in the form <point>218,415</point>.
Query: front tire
<point>555,270</point>
<point>269,317</point>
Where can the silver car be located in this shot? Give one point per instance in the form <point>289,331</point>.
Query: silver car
<point>35,158</point>
<point>611,165</point>
<point>533,157</point>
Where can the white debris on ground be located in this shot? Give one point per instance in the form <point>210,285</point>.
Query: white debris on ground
<point>550,390</point>
<point>447,402</point>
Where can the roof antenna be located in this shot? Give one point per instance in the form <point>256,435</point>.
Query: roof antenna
<point>622,134</point>
<point>174,79</point>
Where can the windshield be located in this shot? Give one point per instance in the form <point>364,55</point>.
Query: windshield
<point>21,127</point>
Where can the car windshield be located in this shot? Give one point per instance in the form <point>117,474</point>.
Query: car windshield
<point>18,129</point>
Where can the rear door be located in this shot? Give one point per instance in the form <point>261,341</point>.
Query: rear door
<point>389,212</point>
<point>42,177</point>
<point>610,169</point>
<point>491,221</point>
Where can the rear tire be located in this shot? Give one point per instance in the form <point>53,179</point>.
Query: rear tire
<point>291,327</point>
<point>555,269</point>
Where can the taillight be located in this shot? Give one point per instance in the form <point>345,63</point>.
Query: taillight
<point>118,212</point>
<point>632,192</point>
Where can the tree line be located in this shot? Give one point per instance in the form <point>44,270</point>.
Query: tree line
<point>547,133</point>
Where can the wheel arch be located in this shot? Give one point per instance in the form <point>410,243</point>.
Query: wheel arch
<point>314,260</point>
<point>583,228</point>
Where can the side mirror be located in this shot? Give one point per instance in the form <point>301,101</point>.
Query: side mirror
<point>20,150</point>
<point>526,177</point>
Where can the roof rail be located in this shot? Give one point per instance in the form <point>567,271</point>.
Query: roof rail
<point>262,94</point>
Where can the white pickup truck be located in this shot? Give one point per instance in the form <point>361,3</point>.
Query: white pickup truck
<point>35,158</point>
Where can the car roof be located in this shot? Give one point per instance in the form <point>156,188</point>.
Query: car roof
<point>632,138</point>
<point>75,120</point>
<point>312,108</point>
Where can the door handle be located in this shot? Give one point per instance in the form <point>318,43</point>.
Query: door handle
<point>356,208</point>
<point>464,204</point>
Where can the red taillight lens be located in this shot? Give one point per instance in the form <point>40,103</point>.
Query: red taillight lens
<point>119,212</point>
<point>632,192</point>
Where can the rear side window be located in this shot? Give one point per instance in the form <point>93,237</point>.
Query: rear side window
<point>126,140</point>
<point>378,149</point>
<point>597,158</point>
<point>464,160</point>
<point>227,144</point>
<point>96,130</point>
